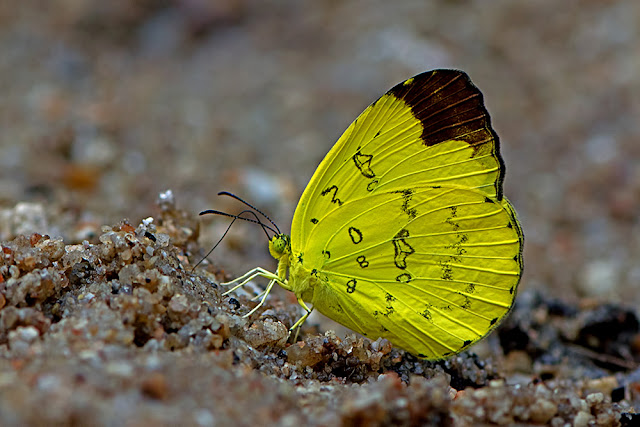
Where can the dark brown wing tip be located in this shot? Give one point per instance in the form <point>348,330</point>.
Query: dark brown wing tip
<point>450,106</point>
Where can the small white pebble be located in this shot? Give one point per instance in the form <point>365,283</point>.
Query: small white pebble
<point>594,398</point>
<point>166,196</point>
<point>582,419</point>
<point>496,383</point>
<point>27,333</point>
<point>88,297</point>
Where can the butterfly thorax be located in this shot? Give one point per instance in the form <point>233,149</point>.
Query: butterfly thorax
<point>293,275</point>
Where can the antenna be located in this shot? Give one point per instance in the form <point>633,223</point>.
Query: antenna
<point>253,211</point>
<point>235,217</point>
<point>226,193</point>
<point>264,226</point>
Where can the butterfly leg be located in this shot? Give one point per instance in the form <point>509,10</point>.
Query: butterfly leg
<point>247,277</point>
<point>264,297</point>
<point>296,326</point>
<point>259,296</point>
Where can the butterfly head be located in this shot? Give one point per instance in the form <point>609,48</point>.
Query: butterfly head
<point>279,246</point>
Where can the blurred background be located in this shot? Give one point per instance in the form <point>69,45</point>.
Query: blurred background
<point>104,104</point>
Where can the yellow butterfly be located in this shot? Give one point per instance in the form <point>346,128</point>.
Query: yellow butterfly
<point>403,231</point>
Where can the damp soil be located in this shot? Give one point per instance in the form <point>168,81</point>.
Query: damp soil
<point>121,329</point>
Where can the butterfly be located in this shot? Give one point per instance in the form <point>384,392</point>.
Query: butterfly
<point>403,231</point>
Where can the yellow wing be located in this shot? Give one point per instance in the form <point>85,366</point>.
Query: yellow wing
<point>403,231</point>
<point>433,269</point>
<point>432,129</point>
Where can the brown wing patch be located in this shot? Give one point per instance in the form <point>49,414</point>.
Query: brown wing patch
<point>450,106</point>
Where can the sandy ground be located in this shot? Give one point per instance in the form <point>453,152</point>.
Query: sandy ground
<point>105,105</point>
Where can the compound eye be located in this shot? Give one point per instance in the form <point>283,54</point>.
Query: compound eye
<point>278,245</point>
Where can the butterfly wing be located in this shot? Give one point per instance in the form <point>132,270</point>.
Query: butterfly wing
<point>404,226</point>
<point>433,270</point>
<point>432,129</point>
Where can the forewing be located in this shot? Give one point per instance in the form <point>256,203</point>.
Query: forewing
<point>432,129</point>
